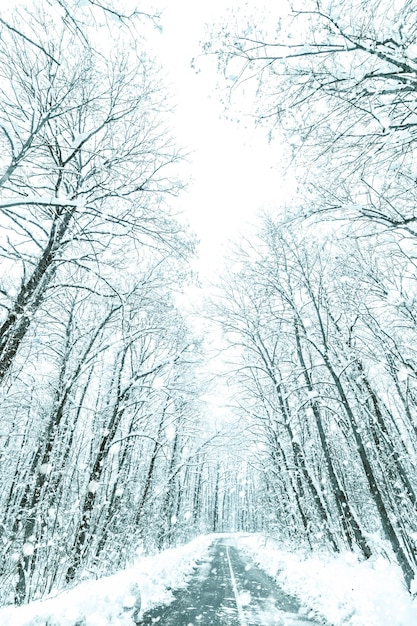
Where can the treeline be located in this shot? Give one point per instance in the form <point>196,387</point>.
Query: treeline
<point>320,307</point>
<point>100,446</point>
<point>325,366</point>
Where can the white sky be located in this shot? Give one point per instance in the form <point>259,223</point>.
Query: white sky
<point>232,168</point>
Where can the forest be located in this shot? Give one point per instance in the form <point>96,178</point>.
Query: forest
<point>106,441</point>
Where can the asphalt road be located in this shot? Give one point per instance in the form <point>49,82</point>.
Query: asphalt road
<point>229,590</point>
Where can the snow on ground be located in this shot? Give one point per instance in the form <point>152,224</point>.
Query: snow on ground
<point>343,590</point>
<point>111,600</point>
<point>338,587</point>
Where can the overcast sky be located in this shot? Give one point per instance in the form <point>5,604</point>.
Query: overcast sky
<point>232,167</point>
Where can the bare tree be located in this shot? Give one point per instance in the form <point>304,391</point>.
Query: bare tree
<point>90,336</point>
<point>304,358</point>
<point>339,82</point>
<point>84,159</point>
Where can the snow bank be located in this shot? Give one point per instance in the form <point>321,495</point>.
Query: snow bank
<point>338,587</point>
<point>113,600</point>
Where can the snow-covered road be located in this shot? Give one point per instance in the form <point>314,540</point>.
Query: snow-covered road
<point>228,589</point>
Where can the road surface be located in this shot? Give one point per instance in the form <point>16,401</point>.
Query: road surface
<point>227,589</point>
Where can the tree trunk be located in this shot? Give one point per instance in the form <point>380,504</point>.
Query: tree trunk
<point>387,525</point>
<point>351,527</point>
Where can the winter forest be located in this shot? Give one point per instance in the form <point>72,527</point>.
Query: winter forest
<point>107,442</point>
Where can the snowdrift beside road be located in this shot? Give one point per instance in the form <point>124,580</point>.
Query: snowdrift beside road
<point>343,590</point>
<point>113,600</point>
<point>337,587</point>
